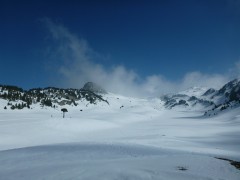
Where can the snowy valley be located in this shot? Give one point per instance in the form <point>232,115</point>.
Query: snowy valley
<point>110,136</point>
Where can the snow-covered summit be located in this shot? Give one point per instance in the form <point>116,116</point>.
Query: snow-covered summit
<point>194,91</point>
<point>206,98</point>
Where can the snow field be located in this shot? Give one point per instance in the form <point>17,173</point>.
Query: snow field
<point>140,140</point>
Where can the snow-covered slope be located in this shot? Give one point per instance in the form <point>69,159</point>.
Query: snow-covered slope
<point>225,99</point>
<point>126,138</point>
<point>206,99</point>
<point>190,99</point>
<point>194,91</point>
<point>195,98</point>
<point>110,161</point>
<point>50,97</point>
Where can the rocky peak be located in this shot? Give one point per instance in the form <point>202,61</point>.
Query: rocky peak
<point>93,87</point>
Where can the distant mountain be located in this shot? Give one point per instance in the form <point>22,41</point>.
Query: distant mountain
<point>190,98</point>
<point>225,98</point>
<point>211,100</point>
<point>209,92</point>
<point>194,91</point>
<point>185,101</point>
<point>18,98</point>
<point>93,87</point>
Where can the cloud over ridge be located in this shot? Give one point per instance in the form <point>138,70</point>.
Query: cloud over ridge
<point>74,62</point>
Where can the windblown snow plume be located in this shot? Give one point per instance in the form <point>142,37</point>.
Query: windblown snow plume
<point>71,60</point>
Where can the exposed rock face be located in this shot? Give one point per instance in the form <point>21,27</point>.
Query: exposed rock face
<point>93,87</point>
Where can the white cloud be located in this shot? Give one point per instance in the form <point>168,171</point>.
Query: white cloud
<point>74,62</point>
<point>157,84</point>
<point>234,72</point>
<point>205,80</point>
<point>237,69</point>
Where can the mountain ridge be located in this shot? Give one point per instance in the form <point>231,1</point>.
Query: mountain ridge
<point>50,96</point>
<point>210,100</point>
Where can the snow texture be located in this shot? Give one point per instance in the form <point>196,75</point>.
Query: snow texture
<point>129,138</point>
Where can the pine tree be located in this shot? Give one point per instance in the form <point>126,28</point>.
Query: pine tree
<point>19,106</point>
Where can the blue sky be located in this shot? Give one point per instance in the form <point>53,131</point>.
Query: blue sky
<point>131,44</point>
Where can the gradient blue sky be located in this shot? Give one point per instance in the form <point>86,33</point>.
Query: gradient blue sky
<point>167,38</point>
